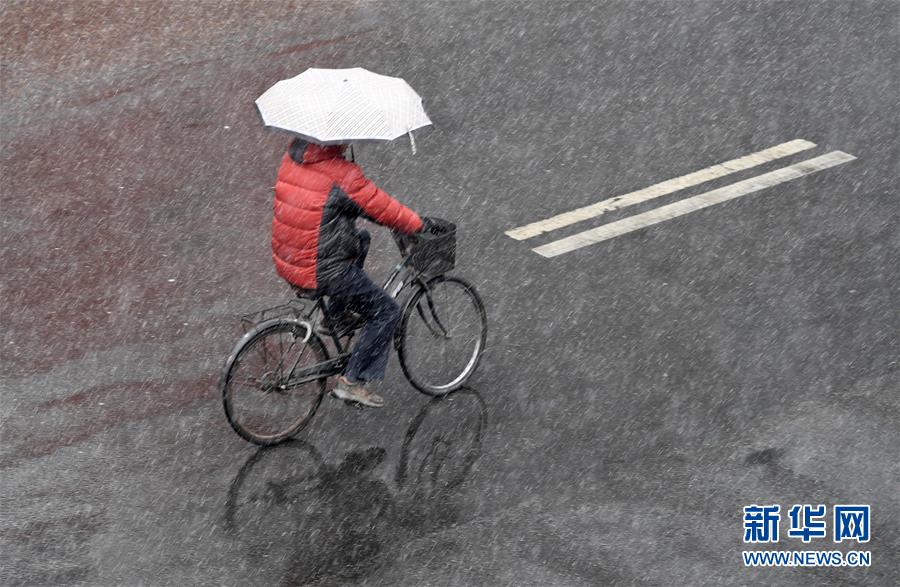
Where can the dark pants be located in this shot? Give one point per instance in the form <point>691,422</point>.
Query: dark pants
<point>356,292</point>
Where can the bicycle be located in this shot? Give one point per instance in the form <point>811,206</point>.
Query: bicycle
<point>276,375</point>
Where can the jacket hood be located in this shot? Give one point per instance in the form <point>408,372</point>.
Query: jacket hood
<point>304,152</point>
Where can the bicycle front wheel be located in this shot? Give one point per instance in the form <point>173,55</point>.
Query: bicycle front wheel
<point>261,402</point>
<point>441,335</point>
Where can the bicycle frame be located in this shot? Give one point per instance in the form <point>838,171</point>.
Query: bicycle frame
<point>400,278</point>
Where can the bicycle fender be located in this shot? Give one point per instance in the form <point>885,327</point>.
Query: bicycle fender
<point>256,330</point>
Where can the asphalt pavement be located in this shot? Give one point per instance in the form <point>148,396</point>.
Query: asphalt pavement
<point>637,391</point>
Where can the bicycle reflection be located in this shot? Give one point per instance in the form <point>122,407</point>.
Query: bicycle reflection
<point>301,519</point>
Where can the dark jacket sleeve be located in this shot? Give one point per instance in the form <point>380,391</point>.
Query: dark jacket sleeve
<point>378,205</point>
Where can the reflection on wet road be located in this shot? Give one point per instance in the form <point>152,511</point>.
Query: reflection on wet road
<point>299,518</point>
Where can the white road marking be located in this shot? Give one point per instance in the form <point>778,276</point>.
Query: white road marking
<point>660,189</point>
<point>688,205</point>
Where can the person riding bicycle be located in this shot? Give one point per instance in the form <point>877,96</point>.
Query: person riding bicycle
<point>316,246</point>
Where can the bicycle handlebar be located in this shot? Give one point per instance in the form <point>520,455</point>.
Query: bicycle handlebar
<point>405,241</point>
<point>433,248</point>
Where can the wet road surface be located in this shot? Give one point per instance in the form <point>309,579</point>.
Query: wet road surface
<point>636,393</point>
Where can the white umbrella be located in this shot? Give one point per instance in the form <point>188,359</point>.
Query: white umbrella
<point>331,106</point>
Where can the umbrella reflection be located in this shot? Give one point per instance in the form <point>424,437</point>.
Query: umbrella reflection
<point>299,519</point>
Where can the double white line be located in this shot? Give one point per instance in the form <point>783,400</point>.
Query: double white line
<point>667,212</point>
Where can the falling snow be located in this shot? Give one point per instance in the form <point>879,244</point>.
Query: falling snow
<point>634,395</point>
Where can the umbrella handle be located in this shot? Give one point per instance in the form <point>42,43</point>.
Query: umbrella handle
<point>412,141</point>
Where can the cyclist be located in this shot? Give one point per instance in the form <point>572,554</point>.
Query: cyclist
<point>316,246</point>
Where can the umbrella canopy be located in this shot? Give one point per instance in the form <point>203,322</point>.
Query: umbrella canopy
<point>331,106</point>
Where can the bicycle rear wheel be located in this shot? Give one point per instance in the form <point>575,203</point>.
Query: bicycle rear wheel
<point>260,403</point>
<point>441,335</point>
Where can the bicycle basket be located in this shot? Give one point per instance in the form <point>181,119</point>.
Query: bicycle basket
<point>433,252</point>
<point>292,309</point>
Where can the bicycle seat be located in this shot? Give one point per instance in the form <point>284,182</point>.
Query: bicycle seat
<point>306,294</point>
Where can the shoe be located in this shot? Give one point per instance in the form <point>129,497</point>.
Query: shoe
<point>357,393</point>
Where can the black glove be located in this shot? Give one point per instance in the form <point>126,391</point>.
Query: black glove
<point>428,225</point>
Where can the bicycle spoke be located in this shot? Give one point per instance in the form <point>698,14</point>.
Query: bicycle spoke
<point>280,367</point>
<point>261,351</point>
<point>281,356</point>
<point>244,381</point>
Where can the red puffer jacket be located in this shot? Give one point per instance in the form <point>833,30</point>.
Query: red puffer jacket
<point>318,197</point>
